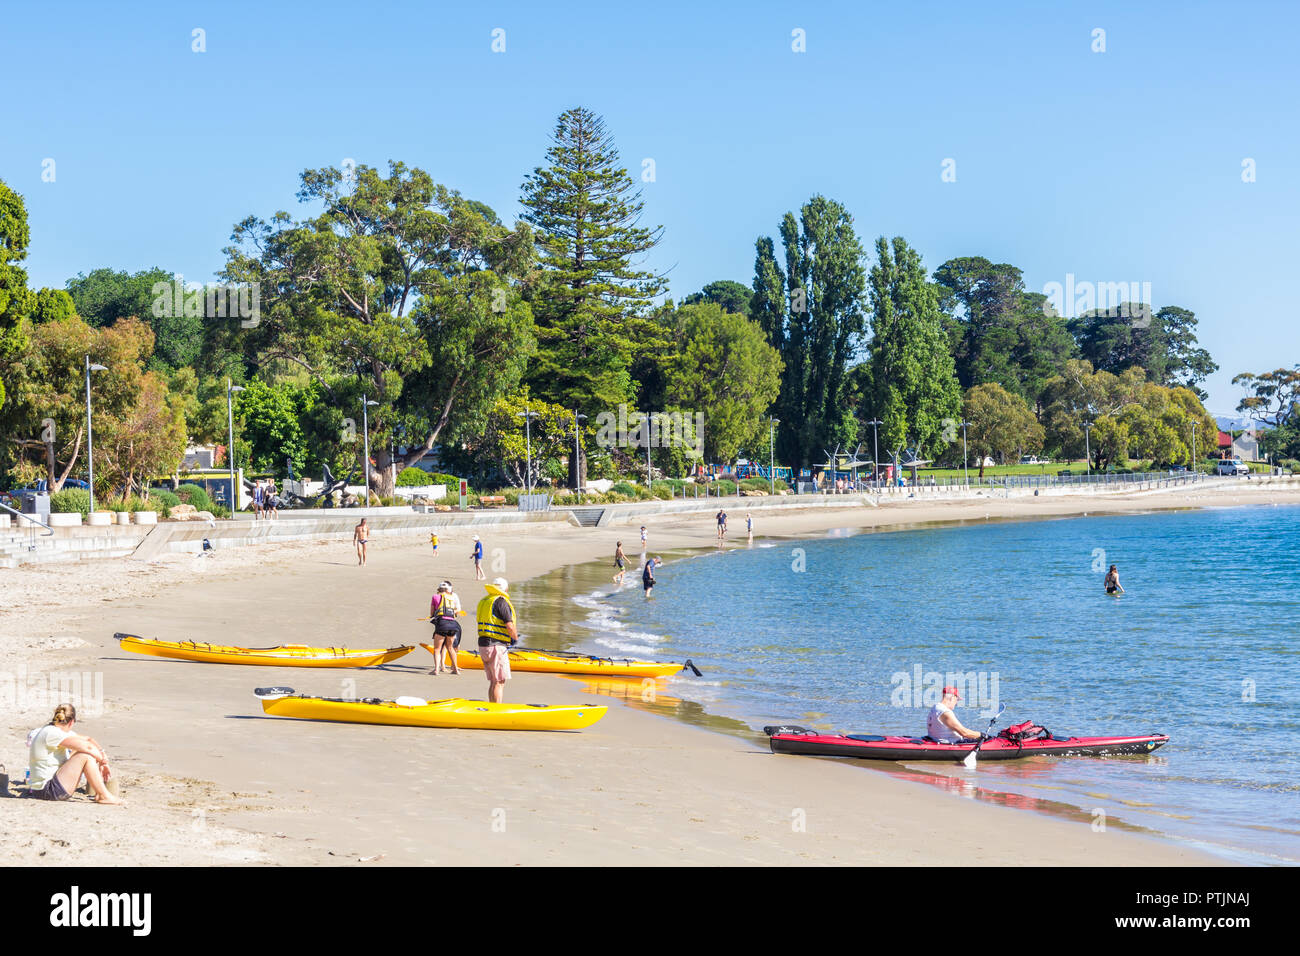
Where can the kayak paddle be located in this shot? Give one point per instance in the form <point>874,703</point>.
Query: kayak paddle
<point>969,760</point>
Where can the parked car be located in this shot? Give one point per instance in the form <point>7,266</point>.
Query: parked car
<point>1231,466</point>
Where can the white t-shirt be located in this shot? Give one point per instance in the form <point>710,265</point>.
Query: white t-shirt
<point>46,755</point>
<point>937,729</point>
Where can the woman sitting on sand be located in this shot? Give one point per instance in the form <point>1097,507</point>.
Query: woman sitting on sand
<point>60,758</point>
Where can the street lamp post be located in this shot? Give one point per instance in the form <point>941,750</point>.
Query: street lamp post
<point>528,415</point>
<point>649,473</point>
<point>577,455</point>
<point>875,424</point>
<point>90,451</point>
<point>771,448</point>
<point>965,470</point>
<point>365,428</point>
<point>1087,446</point>
<point>1194,424</point>
<point>230,451</point>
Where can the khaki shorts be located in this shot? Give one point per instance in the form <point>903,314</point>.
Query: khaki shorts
<point>496,662</point>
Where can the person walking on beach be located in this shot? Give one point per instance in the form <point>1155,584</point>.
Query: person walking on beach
<point>58,759</point>
<point>1112,581</point>
<point>478,559</point>
<point>444,608</point>
<point>643,539</point>
<point>269,501</point>
<point>722,524</point>
<point>433,540</point>
<point>620,563</point>
<point>648,576</point>
<point>498,631</point>
<point>257,500</point>
<point>942,723</point>
<point>749,524</point>
<point>360,535</point>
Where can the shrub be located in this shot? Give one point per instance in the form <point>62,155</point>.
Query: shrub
<point>195,495</point>
<point>163,500</point>
<point>623,490</point>
<point>1290,464</point>
<point>663,490</point>
<point>413,477</point>
<point>70,500</point>
<point>724,487</point>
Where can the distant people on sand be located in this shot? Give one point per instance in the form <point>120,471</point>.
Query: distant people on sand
<point>749,524</point>
<point>643,537</point>
<point>444,608</point>
<point>498,631</point>
<point>360,535</point>
<point>59,759</point>
<point>433,540</point>
<point>620,563</point>
<point>1112,581</point>
<point>478,559</point>
<point>722,525</point>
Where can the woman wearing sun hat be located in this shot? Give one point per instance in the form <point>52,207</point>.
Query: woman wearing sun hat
<point>444,608</point>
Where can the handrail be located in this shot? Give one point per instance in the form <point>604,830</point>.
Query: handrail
<point>32,518</point>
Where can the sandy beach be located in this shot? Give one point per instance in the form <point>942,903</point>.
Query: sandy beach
<point>209,779</point>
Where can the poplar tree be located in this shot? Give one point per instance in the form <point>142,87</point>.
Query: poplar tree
<point>814,314</point>
<point>912,382</point>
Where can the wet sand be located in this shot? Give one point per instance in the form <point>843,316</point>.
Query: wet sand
<point>208,778</point>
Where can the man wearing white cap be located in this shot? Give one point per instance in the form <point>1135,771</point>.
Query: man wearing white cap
<point>478,559</point>
<point>497,632</point>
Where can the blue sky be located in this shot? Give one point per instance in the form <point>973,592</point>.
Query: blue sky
<point>1117,166</point>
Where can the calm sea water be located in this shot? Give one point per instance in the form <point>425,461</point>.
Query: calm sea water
<point>1204,646</point>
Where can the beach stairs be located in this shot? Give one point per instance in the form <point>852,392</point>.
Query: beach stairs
<point>16,548</point>
<point>587,517</point>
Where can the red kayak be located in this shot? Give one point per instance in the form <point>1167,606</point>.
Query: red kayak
<point>1024,740</point>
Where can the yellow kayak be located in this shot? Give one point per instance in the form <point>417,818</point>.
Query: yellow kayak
<point>562,662</point>
<point>455,712</point>
<point>286,655</point>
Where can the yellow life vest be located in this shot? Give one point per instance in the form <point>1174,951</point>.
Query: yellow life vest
<point>489,625</point>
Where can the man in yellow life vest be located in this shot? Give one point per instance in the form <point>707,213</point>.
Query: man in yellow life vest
<point>497,632</point>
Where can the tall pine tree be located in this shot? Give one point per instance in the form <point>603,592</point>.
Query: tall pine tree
<point>592,302</point>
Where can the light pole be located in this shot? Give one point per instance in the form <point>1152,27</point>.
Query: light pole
<point>1194,424</point>
<point>649,473</point>
<point>365,428</point>
<point>90,451</point>
<point>965,470</point>
<point>577,455</point>
<point>528,415</point>
<point>1087,446</point>
<point>875,424</point>
<point>230,452</point>
<point>771,448</point>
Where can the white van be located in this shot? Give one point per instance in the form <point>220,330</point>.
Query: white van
<point>1231,466</point>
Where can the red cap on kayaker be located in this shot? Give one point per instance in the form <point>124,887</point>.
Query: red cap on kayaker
<point>950,690</point>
